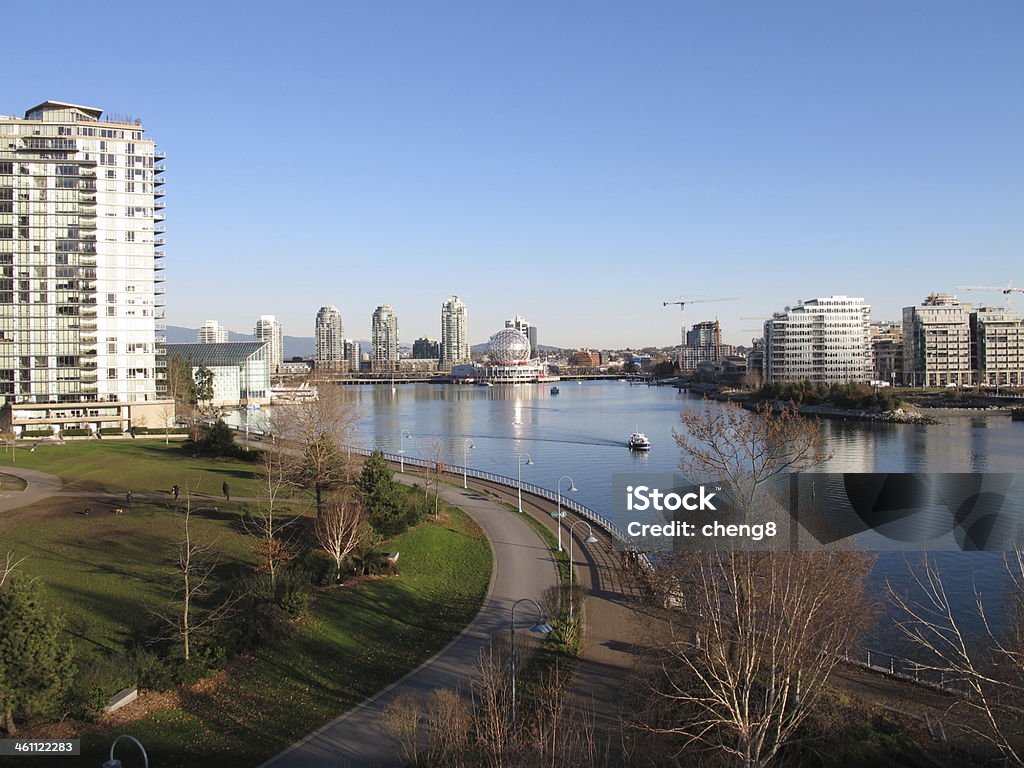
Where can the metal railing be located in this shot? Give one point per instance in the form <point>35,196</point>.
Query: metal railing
<point>568,504</point>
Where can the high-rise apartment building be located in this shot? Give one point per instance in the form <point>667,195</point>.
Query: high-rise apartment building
<point>212,332</point>
<point>81,272</point>
<point>821,340</point>
<point>330,340</point>
<point>426,349</point>
<point>353,354</point>
<point>269,330</point>
<point>886,351</point>
<point>454,333</point>
<point>998,347</point>
<point>530,331</point>
<point>384,333</point>
<point>703,345</point>
<point>937,342</point>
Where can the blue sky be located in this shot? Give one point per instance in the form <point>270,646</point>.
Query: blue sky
<point>575,162</point>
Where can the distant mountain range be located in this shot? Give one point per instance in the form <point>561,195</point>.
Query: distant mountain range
<point>294,346</point>
<point>301,346</point>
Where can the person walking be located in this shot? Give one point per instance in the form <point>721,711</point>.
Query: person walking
<point>226,490</point>
<point>175,490</point>
<point>129,499</point>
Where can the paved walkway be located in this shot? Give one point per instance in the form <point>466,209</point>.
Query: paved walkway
<point>523,567</point>
<point>39,486</point>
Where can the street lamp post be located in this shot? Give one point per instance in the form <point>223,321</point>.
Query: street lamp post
<point>519,474</point>
<point>113,762</point>
<point>558,515</point>
<point>465,461</point>
<point>540,626</point>
<point>591,539</point>
<point>401,453</point>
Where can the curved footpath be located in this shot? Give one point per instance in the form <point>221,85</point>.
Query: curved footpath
<point>523,567</point>
<point>39,486</point>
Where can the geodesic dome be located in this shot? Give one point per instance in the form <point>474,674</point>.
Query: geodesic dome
<point>509,347</point>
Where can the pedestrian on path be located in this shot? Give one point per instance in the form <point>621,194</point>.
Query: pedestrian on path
<point>129,498</point>
<point>175,490</point>
<point>226,490</point>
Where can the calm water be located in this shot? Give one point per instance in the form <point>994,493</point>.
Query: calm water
<point>582,432</point>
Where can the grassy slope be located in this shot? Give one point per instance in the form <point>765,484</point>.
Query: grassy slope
<point>354,642</point>
<point>105,572</point>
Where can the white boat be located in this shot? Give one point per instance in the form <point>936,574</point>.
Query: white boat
<point>638,442</point>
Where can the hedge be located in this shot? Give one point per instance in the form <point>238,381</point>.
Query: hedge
<point>76,432</point>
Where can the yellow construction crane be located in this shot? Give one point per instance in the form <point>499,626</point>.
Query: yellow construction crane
<point>682,308</point>
<point>1008,291</point>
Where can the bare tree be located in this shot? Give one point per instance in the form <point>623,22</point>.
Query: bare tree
<point>744,660</point>
<point>186,616</point>
<point>340,529</point>
<point>314,431</point>
<point>744,655</point>
<point>8,567</point>
<point>167,415</point>
<point>436,455</point>
<point>266,521</point>
<point>990,667</point>
<point>746,450</point>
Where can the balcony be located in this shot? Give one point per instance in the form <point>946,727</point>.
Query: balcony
<point>159,205</point>
<point>159,230</point>
<point>157,192</point>
<point>158,180</point>
<point>159,169</point>
<point>159,156</point>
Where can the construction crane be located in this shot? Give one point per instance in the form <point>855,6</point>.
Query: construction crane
<point>1008,291</point>
<point>682,309</point>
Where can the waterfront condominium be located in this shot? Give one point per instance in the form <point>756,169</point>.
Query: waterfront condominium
<point>997,347</point>
<point>269,330</point>
<point>212,332</point>
<point>454,333</point>
<point>81,271</point>
<point>822,340</point>
<point>937,342</point>
<point>330,340</point>
<point>384,332</point>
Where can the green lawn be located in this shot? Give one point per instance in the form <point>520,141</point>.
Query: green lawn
<point>353,643</point>
<point>106,572</point>
<point>142,466</point>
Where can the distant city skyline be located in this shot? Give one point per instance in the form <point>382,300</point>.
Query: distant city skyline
<point>578,171</point>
